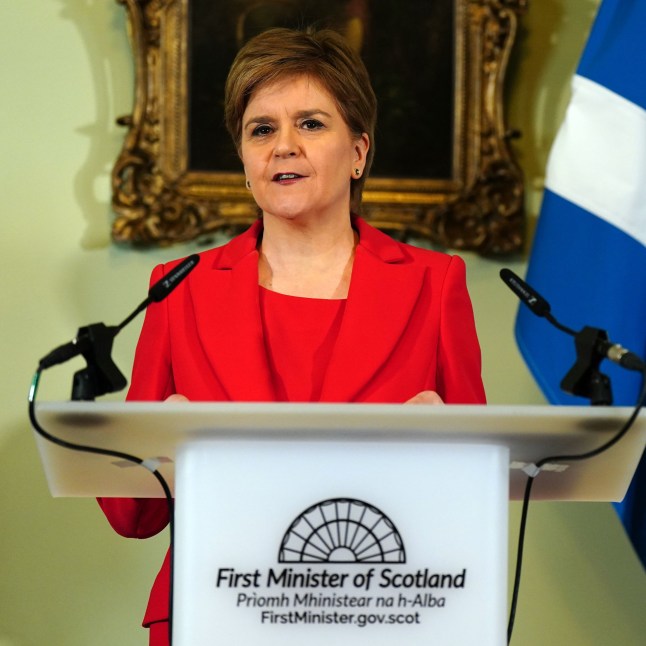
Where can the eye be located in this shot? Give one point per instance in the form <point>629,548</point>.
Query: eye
<point>261,130</point>
<point>311,124</point>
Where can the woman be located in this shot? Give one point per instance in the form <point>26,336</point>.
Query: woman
<point>311,303</point>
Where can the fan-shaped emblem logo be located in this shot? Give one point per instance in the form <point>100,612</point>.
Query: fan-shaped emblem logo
<point>342,530</point>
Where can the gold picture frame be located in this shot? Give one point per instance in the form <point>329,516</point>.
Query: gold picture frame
<point>159,199</point>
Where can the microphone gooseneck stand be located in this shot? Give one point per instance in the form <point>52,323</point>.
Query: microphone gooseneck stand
<point>101,376</point>
<point>584,379</point>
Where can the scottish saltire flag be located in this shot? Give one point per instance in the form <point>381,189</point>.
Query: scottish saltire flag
<point>589,253</point>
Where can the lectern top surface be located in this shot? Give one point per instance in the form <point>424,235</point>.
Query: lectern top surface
<point>156,430</point>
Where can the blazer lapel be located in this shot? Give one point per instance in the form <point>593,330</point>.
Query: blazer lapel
<point>227,311</point>
<point>384,291</point>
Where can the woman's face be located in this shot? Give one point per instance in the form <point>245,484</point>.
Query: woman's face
<point>298,153</point>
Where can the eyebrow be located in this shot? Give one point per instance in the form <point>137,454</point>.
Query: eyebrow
<point>301,114</point>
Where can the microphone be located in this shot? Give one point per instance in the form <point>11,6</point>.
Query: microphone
<point>602,345</point>
<point>94,341</point>
<point>532,299</point>
<point>162,288</point>
<point>525,293</point>
<point>158,292</point>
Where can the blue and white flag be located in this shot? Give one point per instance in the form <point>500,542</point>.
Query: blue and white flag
<point>589,253</point>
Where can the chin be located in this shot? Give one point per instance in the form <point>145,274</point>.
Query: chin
<point>287,212</point>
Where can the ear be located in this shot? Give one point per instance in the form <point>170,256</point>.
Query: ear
<point>361,148</point>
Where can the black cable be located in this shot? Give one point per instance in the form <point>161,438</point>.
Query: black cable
<point>528,489</point>
<point>519,558</point>
<point>122,456</point>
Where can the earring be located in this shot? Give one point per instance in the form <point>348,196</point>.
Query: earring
<point>357,172</point>
<point>248,184</point>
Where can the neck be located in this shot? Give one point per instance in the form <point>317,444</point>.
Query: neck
<point>309,260</point>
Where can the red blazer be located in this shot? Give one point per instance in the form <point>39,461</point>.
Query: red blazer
<point>408,326</point>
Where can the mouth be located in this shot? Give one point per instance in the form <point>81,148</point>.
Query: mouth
<point>286,177</point>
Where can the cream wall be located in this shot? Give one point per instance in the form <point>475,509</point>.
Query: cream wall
<point>65,578</point>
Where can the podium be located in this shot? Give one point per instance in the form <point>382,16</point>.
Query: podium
<point>347,524</point>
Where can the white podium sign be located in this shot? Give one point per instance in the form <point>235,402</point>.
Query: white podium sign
<point>358,543</point>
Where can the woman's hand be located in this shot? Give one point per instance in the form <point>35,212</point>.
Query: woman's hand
<point>425,397</point>
<point>176,398</point>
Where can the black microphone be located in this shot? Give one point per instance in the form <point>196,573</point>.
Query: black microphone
<point>527,295</point>
<point>537,304</point>
<point>87,336</point>
<point>532,299</point>
<point>162,288</point>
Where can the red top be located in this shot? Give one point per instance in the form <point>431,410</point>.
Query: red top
<point>300,334</point>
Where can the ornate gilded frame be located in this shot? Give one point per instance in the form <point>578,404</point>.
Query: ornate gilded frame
<point>158,201</point>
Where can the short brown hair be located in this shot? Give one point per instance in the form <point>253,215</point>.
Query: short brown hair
<point>326,56</point>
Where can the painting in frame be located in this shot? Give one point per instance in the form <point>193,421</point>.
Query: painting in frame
<point>444,170</point>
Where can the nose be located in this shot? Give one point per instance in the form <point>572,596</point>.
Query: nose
<point>287,144</point>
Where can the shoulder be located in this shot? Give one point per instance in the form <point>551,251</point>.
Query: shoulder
<point>393,251</point>
<point>225,256</point>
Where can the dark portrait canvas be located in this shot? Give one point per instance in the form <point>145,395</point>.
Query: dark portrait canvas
<point>408,48</point>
